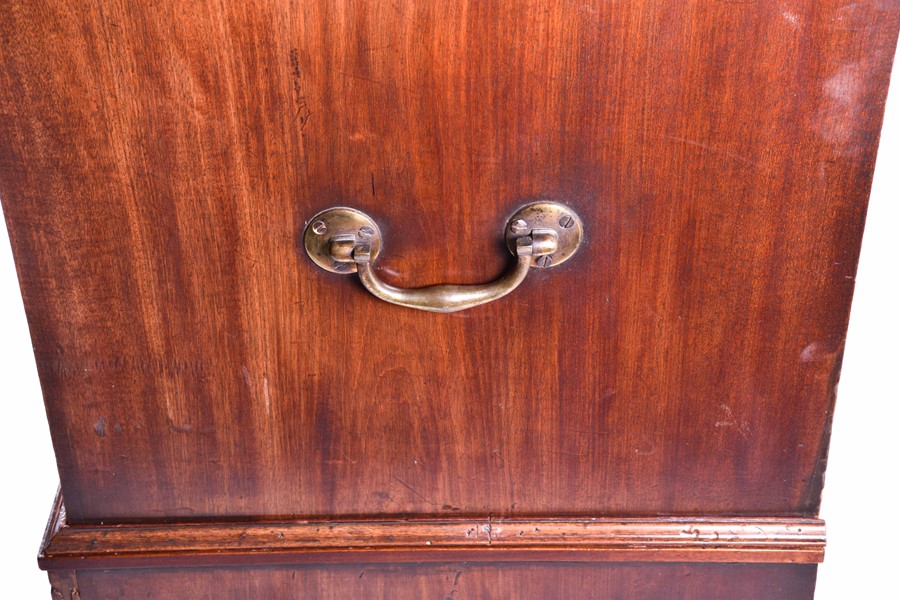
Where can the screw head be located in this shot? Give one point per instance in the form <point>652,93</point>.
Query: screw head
<point>340,267</point>
<point>366,231</point>
<point>566,221</point>
<point>319,227</point>
<point>544,261</point>
<point>518,226</point>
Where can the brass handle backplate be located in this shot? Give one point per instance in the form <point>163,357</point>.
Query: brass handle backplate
<point>344,240</point>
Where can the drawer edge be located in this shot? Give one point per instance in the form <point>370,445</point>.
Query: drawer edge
<point>473,539</point>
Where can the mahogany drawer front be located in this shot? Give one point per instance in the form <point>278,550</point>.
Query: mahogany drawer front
<point>160,163</point>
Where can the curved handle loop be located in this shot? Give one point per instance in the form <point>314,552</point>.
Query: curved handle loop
<point>446,297</point>
<point>342,240</point>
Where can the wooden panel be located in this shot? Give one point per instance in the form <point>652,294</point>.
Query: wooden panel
<point>462,581</point>
<point>158,161</point>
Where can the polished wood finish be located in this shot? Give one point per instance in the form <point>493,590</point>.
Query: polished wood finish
<point>159,160</point>
<point>158,163</point>
<point>663,539</point>
<point>462,581</point>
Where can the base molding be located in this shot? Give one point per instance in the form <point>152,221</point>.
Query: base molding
<point>489,539</point>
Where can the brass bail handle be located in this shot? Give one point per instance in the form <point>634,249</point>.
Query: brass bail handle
<point>540,235</point>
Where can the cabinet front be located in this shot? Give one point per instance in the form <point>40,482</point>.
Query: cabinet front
<point>164,166</point>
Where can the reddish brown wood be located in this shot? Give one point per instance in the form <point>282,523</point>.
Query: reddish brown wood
<point>159,160</point>
<point>463,582</point>
<point>663,539</point>
<point>64,585</point>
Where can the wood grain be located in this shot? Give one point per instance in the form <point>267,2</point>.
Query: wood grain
<point>462,581</point>
<point>158,162</point>
<point>183,545</point>
<point>64,585</point>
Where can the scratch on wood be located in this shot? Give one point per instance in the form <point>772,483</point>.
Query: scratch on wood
<point>411,489</point>
<point>304,112</point>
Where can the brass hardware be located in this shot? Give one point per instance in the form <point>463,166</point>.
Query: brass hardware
<point>344,240</point>
<point>332,234</point>
<point>547,216</point>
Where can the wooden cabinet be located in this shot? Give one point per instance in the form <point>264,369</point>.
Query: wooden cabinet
<point>648,420</point>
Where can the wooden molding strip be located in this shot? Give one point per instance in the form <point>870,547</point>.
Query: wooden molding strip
<point>660,539</point>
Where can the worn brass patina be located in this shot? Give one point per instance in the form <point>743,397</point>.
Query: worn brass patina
<point>344,240</point>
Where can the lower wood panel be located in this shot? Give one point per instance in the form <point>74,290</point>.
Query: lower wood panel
<point>611,581</point>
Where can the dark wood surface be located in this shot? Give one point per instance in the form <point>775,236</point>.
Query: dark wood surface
<point>64,585</point>
<point>158,162</point>
<point>462,581</point>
